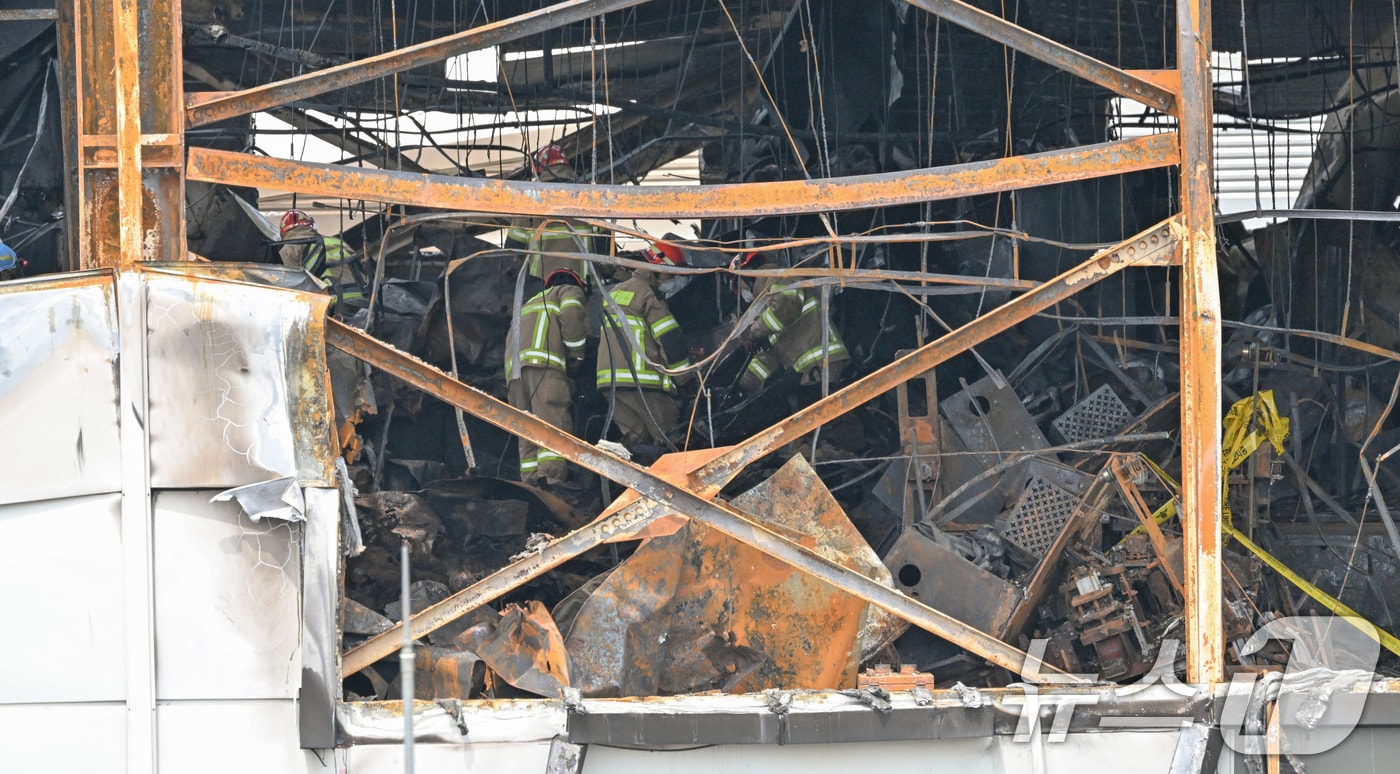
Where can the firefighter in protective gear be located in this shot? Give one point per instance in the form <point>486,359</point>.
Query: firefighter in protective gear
<point>788,333</point>
<point>553,327</point>
<point>546,239</point>
<point>638,332</point>
<point>323,257</point>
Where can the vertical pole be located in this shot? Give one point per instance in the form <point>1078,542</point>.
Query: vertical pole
<point>406,662</point>
<point>128,156</point>
<point>1200,352</point>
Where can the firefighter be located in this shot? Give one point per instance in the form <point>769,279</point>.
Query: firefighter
<point>788,334</point>
<point>639,333</point>
<point>552,235</point>
<point>553,327</point>
<point>324,257</point>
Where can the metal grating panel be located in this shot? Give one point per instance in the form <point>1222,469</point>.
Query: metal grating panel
<point>1039,515</point>
<point>1098,416</point>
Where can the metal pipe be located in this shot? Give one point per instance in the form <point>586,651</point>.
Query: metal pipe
<point>208,107</point>
<point>1200,354</point>
<point>406,663</point>
<point>1057,54</point>
<point>781,197</point>
<point>718,515</point>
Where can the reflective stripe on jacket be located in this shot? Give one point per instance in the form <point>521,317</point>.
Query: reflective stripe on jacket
<point>553,328</point>
<point>325,258</point>
<point>553,236</point>
<point>791,321</point>
<point>650,331</point>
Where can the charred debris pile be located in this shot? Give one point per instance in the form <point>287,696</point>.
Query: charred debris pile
<point>1027,488</point>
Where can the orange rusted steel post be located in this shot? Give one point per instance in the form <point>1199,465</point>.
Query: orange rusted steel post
<point>127,54</point>
<point>208,107</point>
<point>126,135</point>
<point>1200,353</point>
<point>1057,54</point>
<point>784,197</point>
<point>1150,247</point>
<point>718,515</point>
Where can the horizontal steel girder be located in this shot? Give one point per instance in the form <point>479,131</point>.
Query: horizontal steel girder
<point>208,107</point>
<point>1057,54</point>
<point>788,197</point>
<point>1153,247</point>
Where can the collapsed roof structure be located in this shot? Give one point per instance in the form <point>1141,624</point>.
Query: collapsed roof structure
<point>1092,412</point>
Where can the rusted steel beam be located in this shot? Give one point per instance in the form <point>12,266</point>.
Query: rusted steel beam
<point>1059,55</point>
<point>206,108</point>
<point>1200,354</point>
<point>718,515</point>
<point>711,201</point>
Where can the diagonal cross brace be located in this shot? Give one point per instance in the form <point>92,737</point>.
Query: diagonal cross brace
<point>207,108</point>
<point>1153,247</point>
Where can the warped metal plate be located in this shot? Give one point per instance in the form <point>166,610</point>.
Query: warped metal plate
<point>237,378</point>
<point>696,610</point>
<point>58,388</point>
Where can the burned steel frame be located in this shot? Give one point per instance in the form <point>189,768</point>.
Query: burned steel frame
<point>718,515</point>
<point>1152,247</point>
<point>1059,55</point>
<point>124,141</point>
<point>207,108</point>
<point>1200,354</point>
<point>714,201</point>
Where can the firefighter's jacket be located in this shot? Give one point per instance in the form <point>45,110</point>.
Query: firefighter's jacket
<point>554,236</point>
<point>326,258</point>
<point>791,323</point>
<point>646,328</point>
<point>553,326</point>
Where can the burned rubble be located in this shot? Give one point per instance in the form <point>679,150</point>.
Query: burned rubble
<point>1027,489</point>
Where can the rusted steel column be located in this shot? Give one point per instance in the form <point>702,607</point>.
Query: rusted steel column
<point>1200,352</point>
<point>783,197</point>
<point>715,514</point>
<point>208,107</point>
<point>127,137</point>
<point>128,86</point>
<point>1057,54</point>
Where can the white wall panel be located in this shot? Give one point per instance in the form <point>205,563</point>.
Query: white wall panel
<point>63,739</point>
<point>227,621</point>
<point>61,569</point>
<point>58,390</point>
<point>482,758</point>
<point>233,737</point>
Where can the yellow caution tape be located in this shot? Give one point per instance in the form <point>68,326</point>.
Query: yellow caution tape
<point>1241,438</point>
<point>1386,639</point>
<point>1238,442</point>
<point>1163,514</point>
